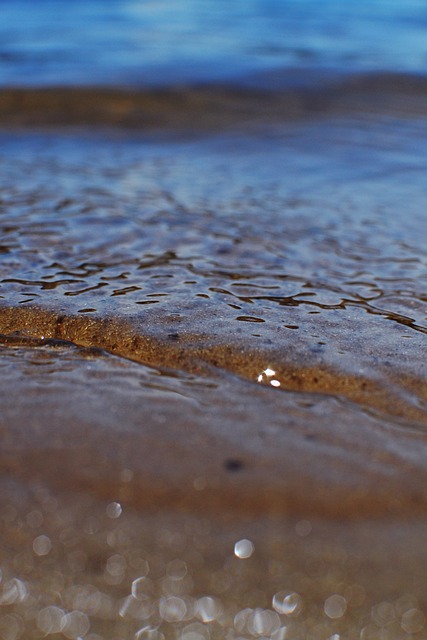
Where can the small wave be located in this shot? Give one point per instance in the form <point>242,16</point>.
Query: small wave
<point>267,98</point>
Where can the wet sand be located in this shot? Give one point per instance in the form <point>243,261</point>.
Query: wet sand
<point>76,567</point>
<point>202,441</point>
<point>128,493</point>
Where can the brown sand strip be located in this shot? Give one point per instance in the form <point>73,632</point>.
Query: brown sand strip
<point>211,107</point>
<point>199,353</point>
<point>170,108</point>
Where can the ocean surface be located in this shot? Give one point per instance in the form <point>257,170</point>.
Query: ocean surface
<point>140,43</point>
<point>213,319</point>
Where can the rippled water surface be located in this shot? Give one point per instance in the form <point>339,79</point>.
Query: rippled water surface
<point>308,239</point>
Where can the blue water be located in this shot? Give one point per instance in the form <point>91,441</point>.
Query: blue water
<point>164,42</point>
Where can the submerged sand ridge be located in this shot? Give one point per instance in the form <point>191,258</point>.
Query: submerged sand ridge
<point>299,368</point>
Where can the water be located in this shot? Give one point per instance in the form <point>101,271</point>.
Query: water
<point>139,43</point>
<point>212,320</point>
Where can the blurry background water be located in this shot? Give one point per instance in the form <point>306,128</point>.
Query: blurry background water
<point>144,42</point>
